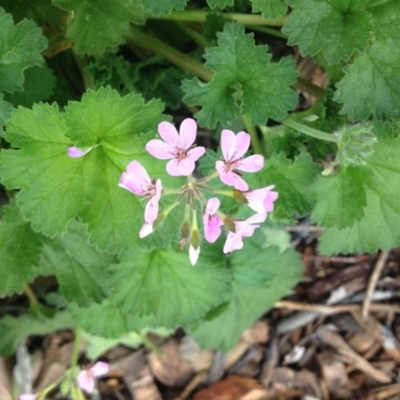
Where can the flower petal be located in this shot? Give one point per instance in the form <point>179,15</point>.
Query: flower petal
<point>194,254</point>
<point>228,144</point>
<point>129,182</point>
<point>242,145</point>
<point>76,152</point>
<point>161,150</point>
<point>145,230</point>
<point>196,153</point>
<point>100,368</point>
<point>251,164</point>
<point>183,167</point>
<point>212,205</point>
<point>85,381</point>
<point>151,210</point>
<point>257,218</point>
<point>256,199</point>
<point>212,227</point>
<point>233,242</point>
<point>27,396</point>
<point>239,183</point>
<point>187,133</point>
<point>169,134</point>
<point>270,198</point>
<point>158,194</point>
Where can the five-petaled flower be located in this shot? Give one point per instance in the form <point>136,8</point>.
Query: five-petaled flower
<point>243,229</point>
<point>233,149</point>
<point>177,147</point>
<point>86,378</point>
<point>261,200</point>
<point>137,181</point>
<point>211,221</point>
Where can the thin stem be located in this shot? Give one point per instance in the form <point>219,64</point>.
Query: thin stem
<point>228,193</point>
<point>31,295</point>
<point>75,351</point>
<point>195,36</point>
<point>309,88</point>
<point>309,131</point>
<point>269,31</point>
<point>255,143</point>
<point>170,191</point>
<point>148,343</point>
<point>200,16</point>
<point>208,178</point>
<point>178,58</point>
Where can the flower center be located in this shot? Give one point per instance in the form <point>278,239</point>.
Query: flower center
<point>181,154</point>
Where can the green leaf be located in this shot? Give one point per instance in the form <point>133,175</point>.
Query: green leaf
<point>292,180</point>
<point>258,283</point>
<point>19,251</point>
<point>338,28</point>
<point>269,8</point>
<point>20,47</point>
<point>79,268</point>
<point>340,199</point>
<point>371,85</point>
<point>103,319</point>
<point>245,82</point>
<point>15,329</point>
<point>5,113</point>
<point>95,25</point>
<point>164,7</point>
<point>379,227</point>
<point>219,3</point>
<point>56,188</point>
<point>39,85</point>
<point>161,282</point>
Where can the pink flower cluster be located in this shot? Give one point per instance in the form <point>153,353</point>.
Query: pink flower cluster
<point>182,153</point>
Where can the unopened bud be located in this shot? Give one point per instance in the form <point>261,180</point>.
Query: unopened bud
<point>355,144</point>
<point>195,239</point>
<point>240,197</point>
<point>159,220</point>
<point>185,230</point>
<point>230,225</point>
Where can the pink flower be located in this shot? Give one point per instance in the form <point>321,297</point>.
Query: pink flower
<point>145,230</point>
<point>27,397</point>
<point>233,150</point>
<point>244,229</point>
<point>261,200</point>
<point>76,152</point>
<point>86,377</point>
<point>137,181</point>
<point>212,222</point>
<point>177,147</point>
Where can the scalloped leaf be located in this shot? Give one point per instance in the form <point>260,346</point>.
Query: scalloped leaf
<point>20,47</point>
<point>20,249</point>
<point>56,188</point>
<point>245,82</point>
<point>338,28</point>
<point>161,282</point>
<point>95,25</point>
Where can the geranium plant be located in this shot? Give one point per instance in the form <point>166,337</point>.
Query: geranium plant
<point>132,130</point>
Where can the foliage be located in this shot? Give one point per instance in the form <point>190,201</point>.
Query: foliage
<point>113,82</point>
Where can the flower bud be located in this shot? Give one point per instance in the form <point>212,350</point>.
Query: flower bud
<point>229,223</point>
<point>240,197</point>
<point>355,144</point>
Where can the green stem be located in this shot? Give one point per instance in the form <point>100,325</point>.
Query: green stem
<point>200,16</point>
<point>156,46</point>
<point>170,191</point>
<point>309,88</point>
<point>309,131</point>
<point>75,351</point>
<point>269,31</point>
<point>148,343</point>
<point>228,193</point>
<point>31,295</point>
<point>208,178</point>
<point>195,36</point>
<point>255,143</point>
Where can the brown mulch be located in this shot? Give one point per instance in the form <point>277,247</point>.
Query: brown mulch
<point>336,337</point>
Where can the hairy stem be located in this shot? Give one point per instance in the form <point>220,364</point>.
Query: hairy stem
<point>255,143</point>
<point>309,131</point>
